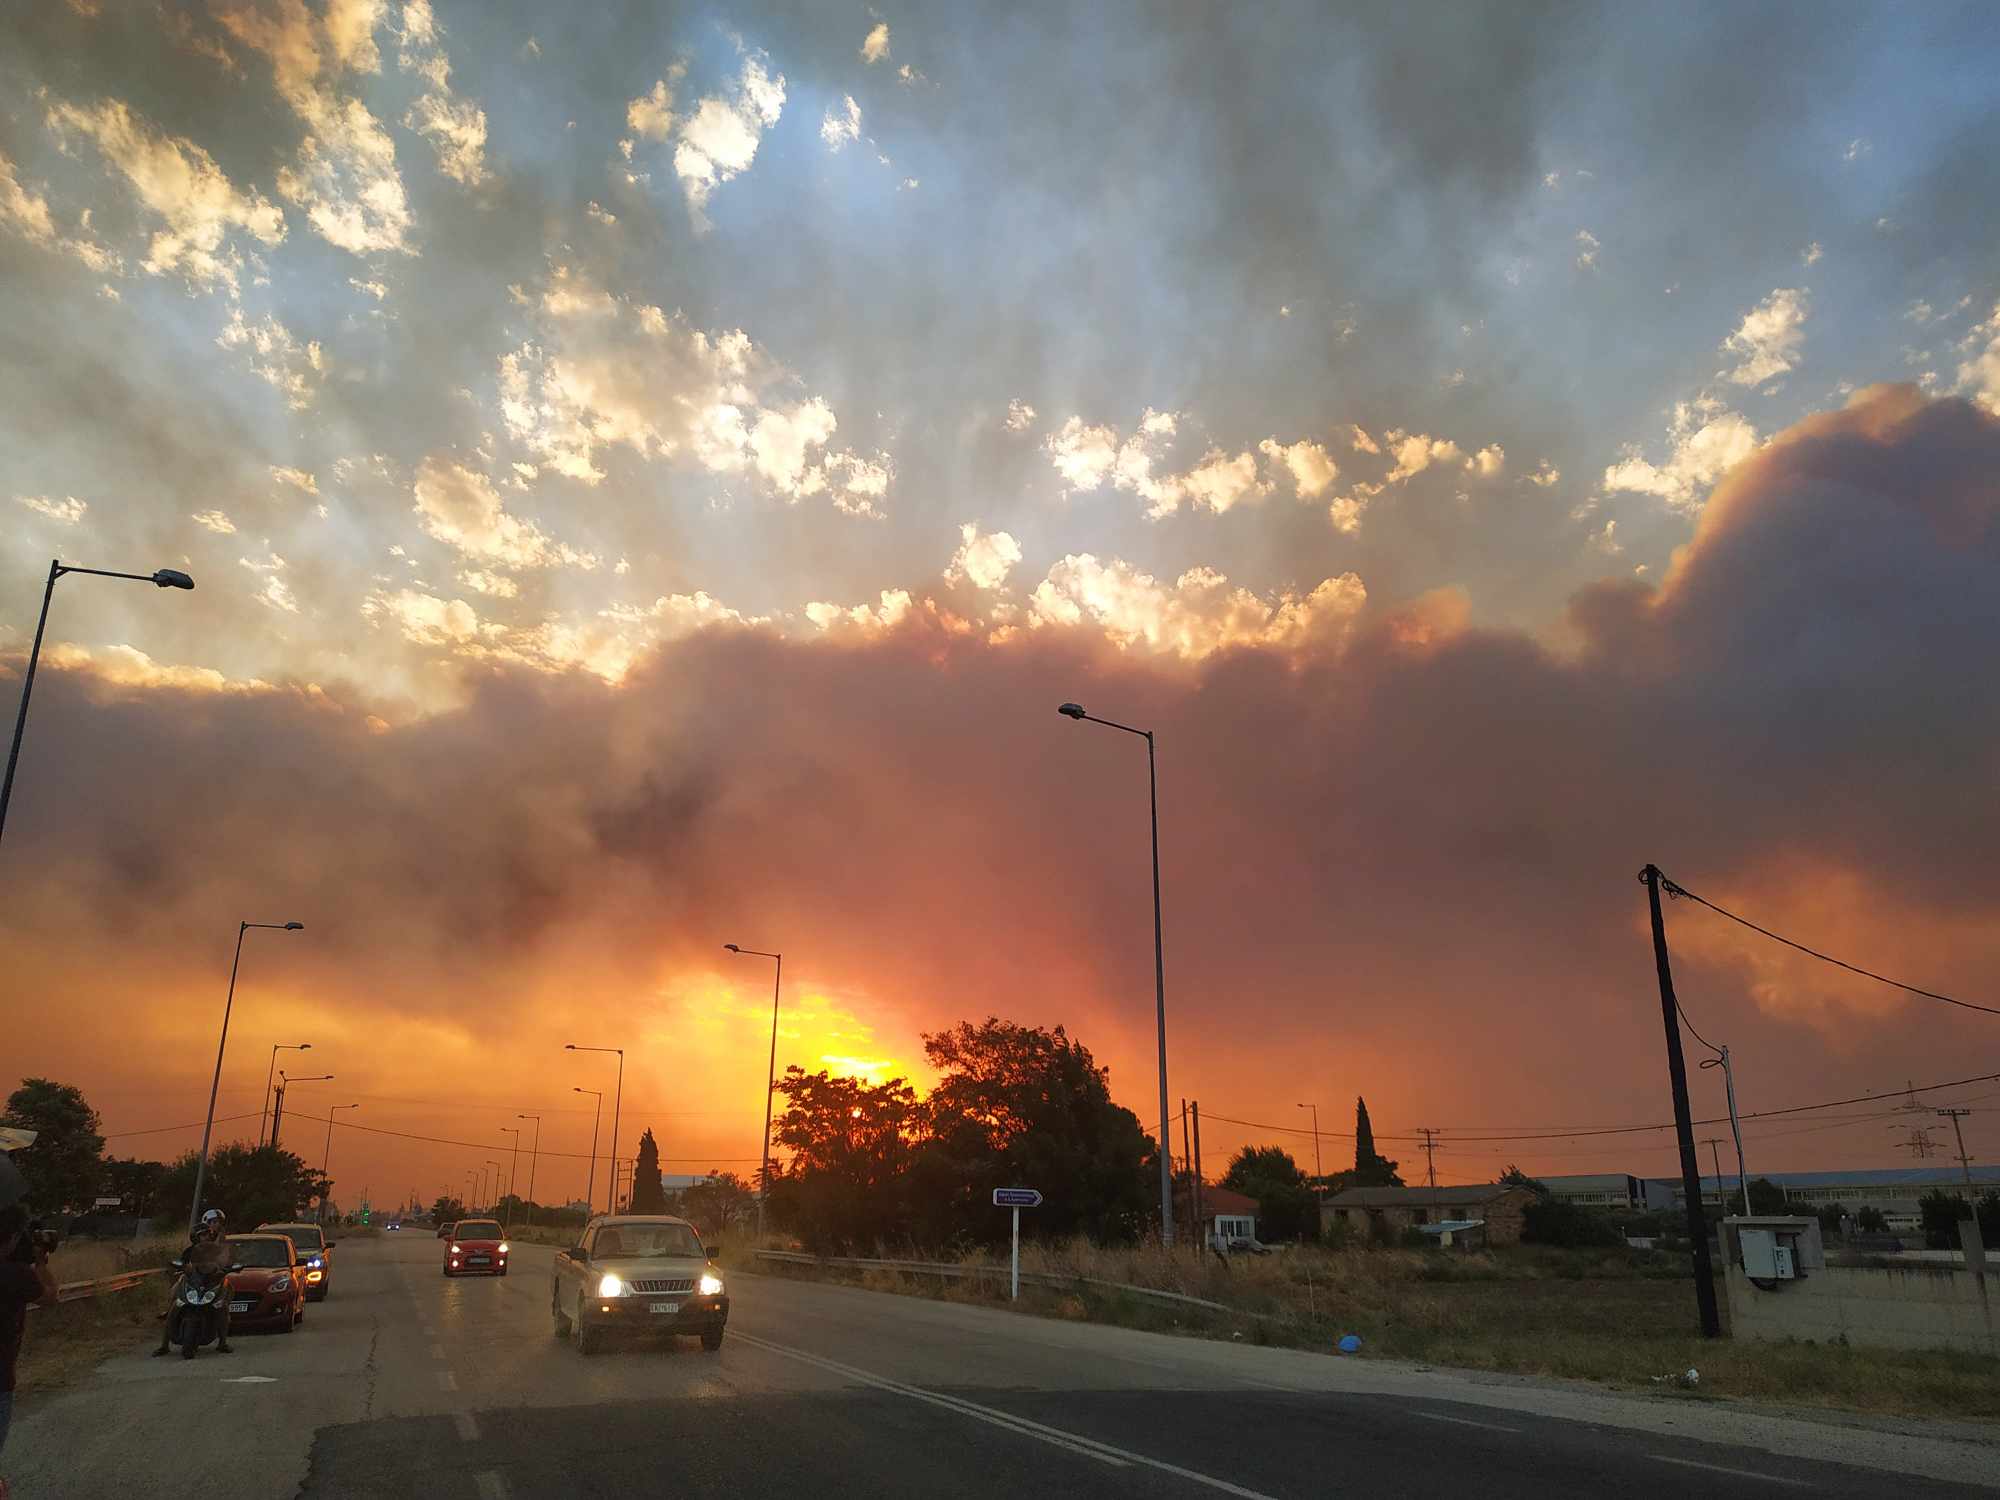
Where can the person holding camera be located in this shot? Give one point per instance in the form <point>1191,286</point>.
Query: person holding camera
<point>25,1281</point>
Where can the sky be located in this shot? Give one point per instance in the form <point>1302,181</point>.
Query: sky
<point>650,474</point>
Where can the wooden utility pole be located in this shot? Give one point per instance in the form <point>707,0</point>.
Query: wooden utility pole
<point>1195,1109</point>
<point>1704,1269</point>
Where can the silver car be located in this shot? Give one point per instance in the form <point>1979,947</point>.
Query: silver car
<point>638,1271</point>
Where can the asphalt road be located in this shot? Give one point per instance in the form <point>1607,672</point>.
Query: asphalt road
<point>403,1383</point>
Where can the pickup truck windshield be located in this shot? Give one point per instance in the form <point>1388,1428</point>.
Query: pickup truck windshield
<point>477,1229</point>
<point>644,1242</point>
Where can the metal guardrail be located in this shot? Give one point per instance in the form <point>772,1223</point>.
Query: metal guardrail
<point>955,1271</point>
<point>77,1291</point>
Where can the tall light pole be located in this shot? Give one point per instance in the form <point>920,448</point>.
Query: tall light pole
<point>326,1155</point>
<point>513,1175</point>
<point>1076,711</point>
<point>208,1125</point>
<point>770,1076</point>
<point>617,1104</point>
<point>278,1110</point>
<point>494,1195</point>
<point>166,578</point>
<point>272,1072</point>
<point>590,1182</point>
<point>534,1152</point>
<point>472,1184</point>
<point>1318,1171</point>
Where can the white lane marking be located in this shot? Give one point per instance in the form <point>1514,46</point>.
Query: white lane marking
<point>1695,1463</point>
<point>250,1380</point>
<point>1054,1436</point>
<point>1438,1416</point>
<point>447,1380</point>
<point>467,1428</point>
<point>492,1484</point>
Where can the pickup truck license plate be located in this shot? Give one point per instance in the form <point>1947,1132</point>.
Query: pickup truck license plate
<point>239,1307</point>
<point>666,1307</point>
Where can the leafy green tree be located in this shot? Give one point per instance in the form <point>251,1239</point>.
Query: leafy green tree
<point>718,1201</point>
<point>1766,1197</point>
<point>648,1195</point>
<point>1829,1215</point>
<point>1941,1212</point>
<point>447,1210</point>
<point>1287,1208</point>
<point>63,1167</point>
<point>1988,1210</point>
<point>1515,1177</point>
<point>1022,1106</point>
<point>1550,1221</point>
<point>1870,1220</point>
<point>251,1184</point>
<point>1371,1168</point>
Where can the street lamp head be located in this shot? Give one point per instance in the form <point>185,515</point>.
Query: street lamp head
<point>732,947</point>
<point>569,1046</point>
<point>295,927</point>
<point>1071,710</point>
<point>171,578</point>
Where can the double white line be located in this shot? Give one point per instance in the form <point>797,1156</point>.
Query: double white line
<point>1055,1437</point>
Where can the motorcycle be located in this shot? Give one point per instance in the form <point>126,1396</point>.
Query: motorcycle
<point>201,1298</point>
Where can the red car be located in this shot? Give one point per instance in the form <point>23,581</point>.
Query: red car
<point>475,1249</point>
<point>270,1290</point>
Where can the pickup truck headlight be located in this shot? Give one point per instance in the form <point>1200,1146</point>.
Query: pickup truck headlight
<point>609,1285</point>
<point>710,1284</point>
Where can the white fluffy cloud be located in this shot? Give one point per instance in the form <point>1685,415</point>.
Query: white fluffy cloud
<point>273,592</point>
<point>460,507</point>
<point>983,558</point>
<point>1545,475</point>
<point>868,618</point>
<point>1488,461</point>
<point>841,125</point>
<point>64,512</point>
<point>1707,438</point>
<point>1767,344</point>
<point>1086,456</point>
<point>1197,614</point>
<point>344,179</point>
<point>718,138</point>
<point>1020,415</point>
<point>455,127</point>
<point>298,479</point>
<point>424,619</point>
<point>277,356</point>
<point>1587,246</point>
<point>215,521</point>
<point>179,183</point>
<point>609,373</point>
<point>1979,376</point>
<point>1415,452</point>
<point>875,46</point>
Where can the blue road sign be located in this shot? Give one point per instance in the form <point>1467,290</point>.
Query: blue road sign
<point>1016,1198</point>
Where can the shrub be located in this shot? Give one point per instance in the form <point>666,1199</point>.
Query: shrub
<point>1548,1221</point>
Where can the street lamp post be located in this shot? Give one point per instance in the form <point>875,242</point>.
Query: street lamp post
<point>534,1152</point>
<point>493,1194</point>
<point>590,1182</point>
<point>513,1175</point>
<point>473,1180</point>
<point>617,1104</point>
<point>1318,1171</point>
<point>326,1155</point>
<point>272,1072</point>
<point>208,1125</point>
<point>1076,711</point>
<point>166,578</point>
<point>278,1109</point>
<point>770,1077</point>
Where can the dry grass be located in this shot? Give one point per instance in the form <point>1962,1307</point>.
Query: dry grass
<point>87,1260</point>
<point>71,1338</point>
<point>1615,1317</point>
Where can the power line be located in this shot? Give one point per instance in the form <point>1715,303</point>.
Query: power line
<point>1678,890</point>
<point>115,1135</point>
<point>433,1140</point>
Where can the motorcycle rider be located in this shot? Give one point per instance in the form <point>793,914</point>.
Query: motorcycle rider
<point>205,1250</point>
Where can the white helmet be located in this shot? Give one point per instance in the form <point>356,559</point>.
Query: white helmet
<point>213,1216</point>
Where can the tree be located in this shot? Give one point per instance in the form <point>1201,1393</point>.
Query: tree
<point>62,1166</point>
<point>447,1210</point>
<point>135,1182</point>
<point>1941,1212</point>
<point>1286,1207</point>
<point>1988,1212</point>
<point>251,1184</point>
<point>1371,1169</point>
<point>718,1201</point>
<point>1870,1220</point>
<point>1022,1106</point>
<point>1515,1177</point>
<point>851,1145</point>
<point>648,1195</point>
<point>1550,1221</point>
<point>1766,1197</point>
<point>1829,1215</point>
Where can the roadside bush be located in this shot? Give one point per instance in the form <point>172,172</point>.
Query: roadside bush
<point>1548,1221</point>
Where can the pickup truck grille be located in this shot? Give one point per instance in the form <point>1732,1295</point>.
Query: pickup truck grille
<point>650,1288</point>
